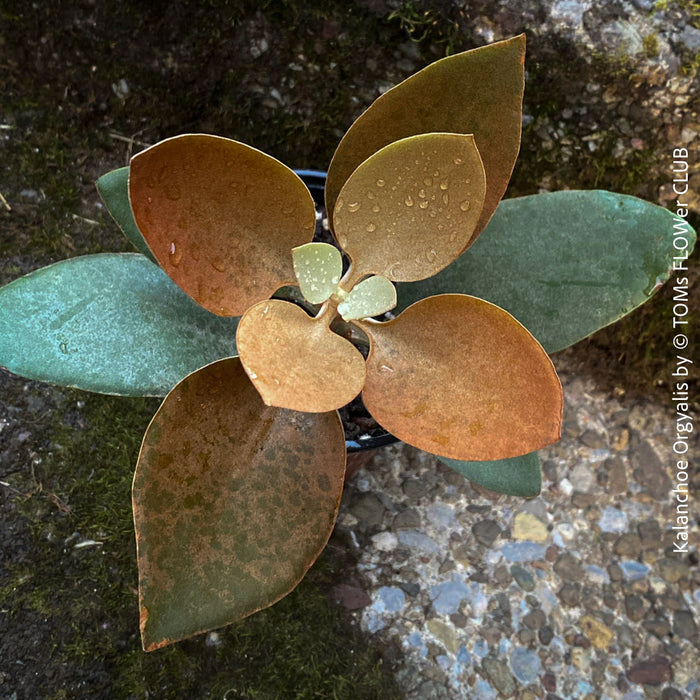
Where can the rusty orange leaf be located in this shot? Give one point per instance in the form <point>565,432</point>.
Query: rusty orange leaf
<point>233,501</point>
<point>477,92</point>
<point>411,208</point>
<point>461,378</point>
<point>220,217</point>
<point>295,361</point>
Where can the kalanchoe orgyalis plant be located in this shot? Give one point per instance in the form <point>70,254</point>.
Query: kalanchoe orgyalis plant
<point>240,473</point>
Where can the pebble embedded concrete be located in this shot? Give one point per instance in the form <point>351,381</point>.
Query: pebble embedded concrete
<point>576,592</point>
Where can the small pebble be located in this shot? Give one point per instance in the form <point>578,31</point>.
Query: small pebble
<point>613,520</point>
<point>525,665</point>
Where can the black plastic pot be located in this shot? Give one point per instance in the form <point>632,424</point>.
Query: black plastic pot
<point>315,180</point>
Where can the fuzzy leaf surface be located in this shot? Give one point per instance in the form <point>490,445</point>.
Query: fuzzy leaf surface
<point>517,476</point>
<point>113,323</point>
<point>233,502</point>
<point>221,218</point>
<point>114,190</point>
<point>565,264</point>
<point>461,378</point>
<point>477,92</point>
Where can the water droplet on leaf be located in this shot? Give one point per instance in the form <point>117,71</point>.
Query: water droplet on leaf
<point>175,254</point>
<point>353,206</point>
<point>465,205</point>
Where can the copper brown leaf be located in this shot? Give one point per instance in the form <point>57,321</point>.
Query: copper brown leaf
<point>220,217</point>
<point>295,361</point>
<point>477,92</point>
<point>461,378</point>
<point>233,501</point>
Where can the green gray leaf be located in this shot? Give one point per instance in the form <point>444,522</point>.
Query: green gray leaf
<point>371,297</point>
<point>565,264</point>
<point>318,267</point>
<point>114,190</point>
<point>113,323</point>
<point>517,476</point>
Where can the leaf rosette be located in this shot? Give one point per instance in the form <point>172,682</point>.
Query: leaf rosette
<point>240,474</point>
<point>452,374</point>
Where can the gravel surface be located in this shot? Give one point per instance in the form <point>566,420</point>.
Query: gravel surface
<point>574,594</point>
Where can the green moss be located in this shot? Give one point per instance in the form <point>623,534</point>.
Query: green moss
<point>426,24</point>
<point>42,151</point>
<point>569,160</point>
<point>690,65</point>
<point>651,45</point>
<point>689,8</point>
<point>690,11</point>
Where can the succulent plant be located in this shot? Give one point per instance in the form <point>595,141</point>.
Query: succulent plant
<point>241,470</point>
